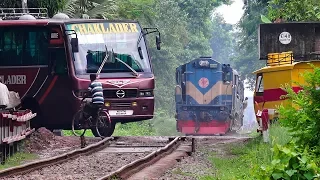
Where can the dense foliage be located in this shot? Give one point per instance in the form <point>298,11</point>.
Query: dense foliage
<point>247,59</point>
<point>52,6</point>
<point>289,162</point>
<point>223,41</point>
<point>298,159</point>
<point>294,10</point>
<point>304,123</point>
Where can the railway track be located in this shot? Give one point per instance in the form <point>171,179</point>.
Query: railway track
<point>110,158</point>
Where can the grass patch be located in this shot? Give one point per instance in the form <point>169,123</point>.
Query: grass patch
<point>143,128</point>
<point>17,159</point>
<point>70,133</point>
<point>130,129</point>
<point>242,158</point>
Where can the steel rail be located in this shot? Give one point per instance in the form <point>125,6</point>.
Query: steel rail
<point>126,171</point>
<point>56,159</point>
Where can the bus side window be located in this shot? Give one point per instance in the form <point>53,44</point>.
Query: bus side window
<point>27,47</point>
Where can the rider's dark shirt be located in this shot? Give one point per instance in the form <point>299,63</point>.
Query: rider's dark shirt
<point>97,92</point>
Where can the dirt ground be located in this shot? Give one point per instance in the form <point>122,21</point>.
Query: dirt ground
<point>45,144</point>
<point>197,165</point>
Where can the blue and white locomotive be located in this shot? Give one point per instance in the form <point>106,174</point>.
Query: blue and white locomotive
<point>209,97</point>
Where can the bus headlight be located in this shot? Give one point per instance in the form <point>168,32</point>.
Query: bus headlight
<point>107,104</point>
<point>148,93</point>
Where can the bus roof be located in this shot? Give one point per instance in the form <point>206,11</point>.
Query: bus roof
<point>282,67</point>
<point>44,22</point>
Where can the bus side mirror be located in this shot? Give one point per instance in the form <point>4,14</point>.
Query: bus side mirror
<point>158,42</point>
<point>74,45</point>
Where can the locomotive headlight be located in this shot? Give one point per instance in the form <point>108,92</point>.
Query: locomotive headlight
<point>204,63</point>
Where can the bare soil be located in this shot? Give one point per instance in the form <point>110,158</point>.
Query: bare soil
<point>45,144</point>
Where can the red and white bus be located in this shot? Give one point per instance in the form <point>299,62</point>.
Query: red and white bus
<point>48,62</point>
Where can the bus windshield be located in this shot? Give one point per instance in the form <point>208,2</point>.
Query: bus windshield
<point>121,38</point>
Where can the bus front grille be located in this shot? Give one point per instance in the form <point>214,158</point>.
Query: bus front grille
<point>120,104</point>
<point>120,93</point>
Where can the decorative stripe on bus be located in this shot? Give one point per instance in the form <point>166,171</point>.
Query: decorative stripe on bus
<point>34,80</point>
<point>48,90</point>
<point>273,94</point>
<point>45,80</point>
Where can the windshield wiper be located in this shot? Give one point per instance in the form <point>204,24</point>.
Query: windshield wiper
<point>134,71</point>
<point>108,58</point>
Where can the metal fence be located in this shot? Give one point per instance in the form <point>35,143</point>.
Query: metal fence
<point>14,128</point>
<point>16,13</point>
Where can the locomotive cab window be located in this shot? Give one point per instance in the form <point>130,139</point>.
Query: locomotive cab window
<point>259,84</point>
<point>227,76</point>
<point>23,48</point>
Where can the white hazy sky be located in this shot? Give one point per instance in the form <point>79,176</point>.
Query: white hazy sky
<point>233,12</point>
<point>232,15</point>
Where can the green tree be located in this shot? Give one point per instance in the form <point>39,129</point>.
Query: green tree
<point>222,40</point>
<point>247,58</point>
<point>142,10</point>
<point>174,37</point>
<point>104,9</point>
<point>294,10</point>
<point>52,6</point>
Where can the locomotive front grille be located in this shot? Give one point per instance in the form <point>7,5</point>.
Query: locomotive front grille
<point>120,93</point>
